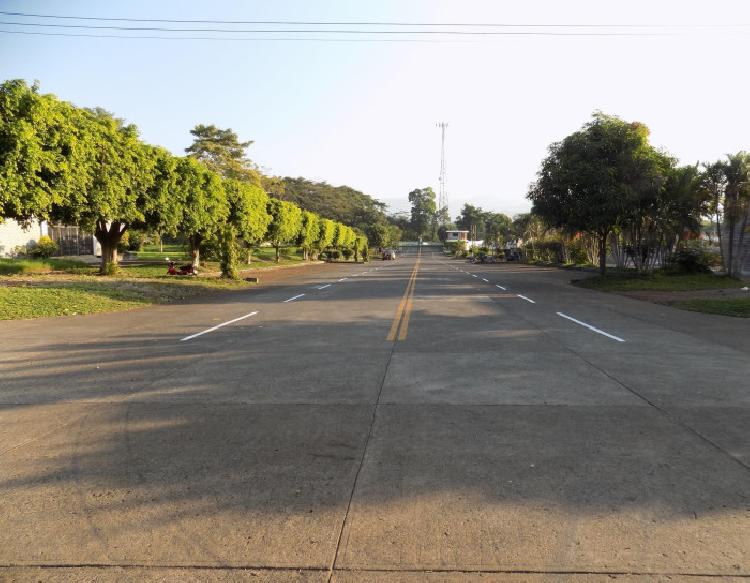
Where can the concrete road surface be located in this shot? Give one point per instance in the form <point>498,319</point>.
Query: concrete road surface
<point>416,420</point>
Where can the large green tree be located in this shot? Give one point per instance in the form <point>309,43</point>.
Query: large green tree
<point>222,151</point>
<point>120,180</point>
<point>592,179</point>
<point>285,225</point>
<point>205,210</point>
<point>309,233</point>
<point>472,219</point>
<point>248,212</point>
<point>423,209</point>
<point>42,155</point>
<point>326,233</point>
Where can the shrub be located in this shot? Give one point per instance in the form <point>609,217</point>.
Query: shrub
<point>136,240</point>
<point>124,243</point>
<point>347,252</point>
<point>43,248</point>
<point>692,258</point>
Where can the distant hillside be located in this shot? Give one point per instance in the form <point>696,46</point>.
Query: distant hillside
<point>341,203</point>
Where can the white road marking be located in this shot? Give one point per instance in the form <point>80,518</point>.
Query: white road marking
<point>487,280</point>
<point>525,298</point>
<point>325,286</point>
<point>590,327</point>
<point>293,298</point>
<point>214,328</point>
<point>501,287</point>
<point>472,275</point>
<point>343,279</point>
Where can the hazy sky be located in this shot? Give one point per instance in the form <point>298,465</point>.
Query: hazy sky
<point>365,113</point>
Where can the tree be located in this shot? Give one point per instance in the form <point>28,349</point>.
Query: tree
<point>378,235</point>
<point>285,225</point>
<point>345,236</point>
<point>340,203</point>
<point>120,176</point>
<point>221,151</point>
<point>248,212</point>
<point>309,233</point>
<point>423,209</point>
<point>727,186</point>
<point>42,159</point>
<point>591,179</point>
<point>326,233</point>
<point>472,217</point>
<point>497,228</point>
<point>360,247</point>
<point>205,210</point>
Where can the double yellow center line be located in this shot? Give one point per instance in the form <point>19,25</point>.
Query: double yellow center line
<point>400,326</point>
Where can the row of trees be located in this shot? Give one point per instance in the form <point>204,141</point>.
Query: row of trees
<point>608,183</point>
<point>86,167</point>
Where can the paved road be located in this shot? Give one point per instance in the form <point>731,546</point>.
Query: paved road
<point>417,420</point>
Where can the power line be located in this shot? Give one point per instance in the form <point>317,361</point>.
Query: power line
<point>378,23</point>
<point>229,38</point>
<point>334,31</point>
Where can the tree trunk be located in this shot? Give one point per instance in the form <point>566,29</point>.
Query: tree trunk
<point>195,250</point>
<point>249,254</point>
<point>603,253</point>
<point>277,253</point>
<point>108,237</point>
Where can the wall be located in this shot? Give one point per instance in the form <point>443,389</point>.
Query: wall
<point>13,235</point>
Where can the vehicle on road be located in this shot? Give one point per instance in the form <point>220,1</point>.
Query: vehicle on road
<point>389,254</point>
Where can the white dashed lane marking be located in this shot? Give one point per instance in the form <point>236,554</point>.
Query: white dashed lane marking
<point>293,298</point>
<point>214,328</point>
<point>590,327</point>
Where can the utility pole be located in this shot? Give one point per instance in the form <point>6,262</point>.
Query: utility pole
<point>443,195</point>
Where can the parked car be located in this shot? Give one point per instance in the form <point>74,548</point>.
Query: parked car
<point>389,254</point>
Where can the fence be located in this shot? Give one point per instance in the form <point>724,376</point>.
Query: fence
<point>71,240</point>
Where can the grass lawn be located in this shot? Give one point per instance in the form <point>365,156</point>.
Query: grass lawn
<point>34,302</point>
<point>739,308</point>
<point>24,266</point>
<point>621,282</point>
<point>36,288</point>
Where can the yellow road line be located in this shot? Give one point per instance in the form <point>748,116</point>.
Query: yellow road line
<point>404,306</point>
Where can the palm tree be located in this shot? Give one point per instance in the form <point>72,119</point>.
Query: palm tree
<point>727,184</point>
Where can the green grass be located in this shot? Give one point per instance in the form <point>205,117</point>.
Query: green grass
<point>266,255</point>
<point>738,308</point>
<point>26,266</point>
<point>33,302</point>
<point>63,295</point>
<point>618,282</point>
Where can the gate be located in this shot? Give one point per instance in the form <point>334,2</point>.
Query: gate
<point>71,240</point>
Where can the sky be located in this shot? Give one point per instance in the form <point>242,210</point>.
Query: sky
<point>365,113</point>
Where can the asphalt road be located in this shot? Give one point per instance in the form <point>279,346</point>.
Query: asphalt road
<point>417,420</point>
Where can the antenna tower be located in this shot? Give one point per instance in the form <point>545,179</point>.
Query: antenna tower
<point>443,194</point>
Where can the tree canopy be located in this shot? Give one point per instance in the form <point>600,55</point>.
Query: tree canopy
<point>423,211</point>
<point>595,176</point>
<point>222,151</point>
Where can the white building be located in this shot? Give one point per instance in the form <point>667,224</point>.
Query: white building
<point>453,236</point>
<point>13,235</point>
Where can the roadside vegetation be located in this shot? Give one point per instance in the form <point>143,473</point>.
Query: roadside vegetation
<point>659,281</point>
<point>605,197</point>
<point>211,209</point>
<point>738,308</point>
